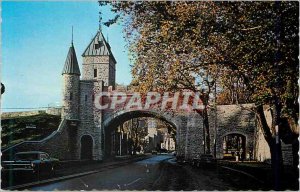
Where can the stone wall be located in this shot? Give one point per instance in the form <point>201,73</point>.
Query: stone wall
<point>181,135</point>
<point>233,119</point>
<point>105,69</point>
<point>51,111</point>
<point>7,115</point>
<point>262,152</point>
<point>287,153</point>
<point>230,119</point>
<point>90,117</point>
<point>112,72</point>
<point>189,127</point>
<point>54,110</point>
<point>194,136</point>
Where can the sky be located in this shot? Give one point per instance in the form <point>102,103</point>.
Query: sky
<point>35,38</point>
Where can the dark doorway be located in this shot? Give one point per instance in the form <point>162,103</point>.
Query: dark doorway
<point>234,145</point>
<point>86,147</point>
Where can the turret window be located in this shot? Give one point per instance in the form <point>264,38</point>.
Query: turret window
<point>95,72</point>
<point>71,96</point>
<point>85,98</point>
<point>98,44</point>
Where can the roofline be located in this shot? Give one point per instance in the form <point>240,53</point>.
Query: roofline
<point>109,48</point>
<point>82,55</point>
<point>106,44</point>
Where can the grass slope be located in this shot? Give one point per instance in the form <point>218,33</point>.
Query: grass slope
<point>14,129</point>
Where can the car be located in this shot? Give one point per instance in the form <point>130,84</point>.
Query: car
<point>32,163</point>
<point>154,152</point>
<point>181,159</point>
<point>163,151</point>
<point>204,160</point>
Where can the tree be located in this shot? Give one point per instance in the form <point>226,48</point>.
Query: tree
<point>264,54</point>
<point>137,133</point>
<point>171,43</point>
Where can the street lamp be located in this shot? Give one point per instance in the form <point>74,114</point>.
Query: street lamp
<point>210,83</point>
<point>215,123</point>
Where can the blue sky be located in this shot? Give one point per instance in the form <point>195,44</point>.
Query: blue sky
<point>35,40</point>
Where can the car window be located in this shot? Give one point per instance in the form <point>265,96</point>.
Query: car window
<point>43,157</point>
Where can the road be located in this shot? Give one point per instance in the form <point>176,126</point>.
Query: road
<point>160,172</point>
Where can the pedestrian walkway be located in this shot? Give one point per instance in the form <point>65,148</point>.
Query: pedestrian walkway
<point>263,172</point>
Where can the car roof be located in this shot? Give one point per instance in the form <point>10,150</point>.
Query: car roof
<point>30,152</point>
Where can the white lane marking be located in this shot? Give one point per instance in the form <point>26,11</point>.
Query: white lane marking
<point>147,169</point>
<point>83,183</point>
<point>133,182</point>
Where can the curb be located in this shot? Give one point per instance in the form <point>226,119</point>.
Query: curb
<point>243,172</point>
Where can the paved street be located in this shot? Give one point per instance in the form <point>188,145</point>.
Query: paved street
<point>157,173</point>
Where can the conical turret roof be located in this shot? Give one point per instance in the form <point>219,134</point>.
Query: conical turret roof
<point>71,64</point>
<point>98,47</point>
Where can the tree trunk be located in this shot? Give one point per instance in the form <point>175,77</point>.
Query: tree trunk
<point>295,154</point>
<point>273,142</point>
<point>206,128</point>
<point>277,164</point>
<point>207,133</point>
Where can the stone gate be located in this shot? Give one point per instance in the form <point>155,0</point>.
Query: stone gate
<point>84,125</point>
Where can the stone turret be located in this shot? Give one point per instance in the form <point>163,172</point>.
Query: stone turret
<point>71,81</point>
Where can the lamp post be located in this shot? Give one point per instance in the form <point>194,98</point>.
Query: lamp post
<point>215,123</point>
<point>204,136</point>
<point>210,83</point>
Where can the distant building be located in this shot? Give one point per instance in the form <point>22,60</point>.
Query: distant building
<point>168,142</point>
<point>158,137</point>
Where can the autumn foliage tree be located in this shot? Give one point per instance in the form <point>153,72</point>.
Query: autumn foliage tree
<point>252,44</point>
<point>165,48</point>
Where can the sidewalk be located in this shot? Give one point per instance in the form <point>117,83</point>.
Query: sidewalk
<point>263,172</point>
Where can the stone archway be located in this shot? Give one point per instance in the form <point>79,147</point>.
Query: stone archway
<point>234,144</point>
<point>86,152</point>
<point>119,117</point>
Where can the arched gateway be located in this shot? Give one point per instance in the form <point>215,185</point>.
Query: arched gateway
<point>113,120</point>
